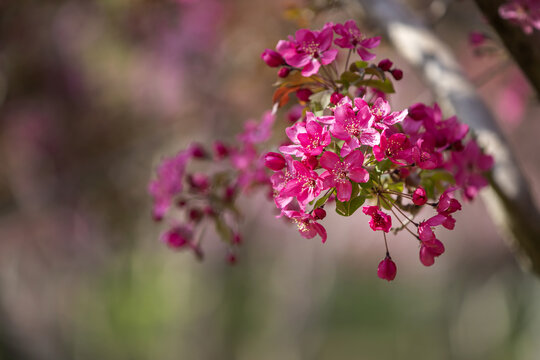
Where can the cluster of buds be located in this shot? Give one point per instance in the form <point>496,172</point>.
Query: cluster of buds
<point>345,147</point>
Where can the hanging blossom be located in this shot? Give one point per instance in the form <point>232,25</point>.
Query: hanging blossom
<point>341,144</point>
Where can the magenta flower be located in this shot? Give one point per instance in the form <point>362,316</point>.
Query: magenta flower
<point>306,186</point>
<point>525,13</point>
<point>447,204</point>
<point>307,225</point>
<point>425,155</point>
<point>309,138</point>
<point>382,115</point>
<point>419,196</point>
<point>469,166</point>
<point>356,128</point>
<point>168,182</point>
<point>379,220</point>
<point>352,38</point>
<point>387,269</point>
<point>308,50</point>
<point>430,250</point>
<point>397,148</point>
<point>339,173</point>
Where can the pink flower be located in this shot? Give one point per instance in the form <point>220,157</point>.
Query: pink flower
<point>382,116</point>
<point>477,38</point>
<point>447,204</point>
<point>352,38</point>
<point>469,166</point>
<point>168,182</point>
<point>430,250</point>
<point>425,155</point>
<point>525,13</point>
<point>387,269</point>
<point>419,196</point>
<point>379,220</point>
<point>309,140</point>
<point>306,186</point>
<point>307,225</point>
<point>356,128</point>
<point>258,132</point>
<point>308,50</point>
<point>397,148</point>
<point>338,173</point>
<point>272,58</point>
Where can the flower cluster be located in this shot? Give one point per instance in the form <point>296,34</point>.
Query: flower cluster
<point>344,145</point>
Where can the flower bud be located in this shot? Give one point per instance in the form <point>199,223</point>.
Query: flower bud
<point>272,58</point>
<point>198,181</point>
<point>385,64</point>
<point>336,97</point>
<point>274,161</point>
<point>419,196</point>
<point>220,150</point>
<point>319,213</point>
<point>303,94</point>
<point>387,269</point>
<point>397,74</point>
<point>198,151</point>
<point>283,72</point>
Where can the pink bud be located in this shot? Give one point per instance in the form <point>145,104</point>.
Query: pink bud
<point>220,150</point>
<point>336,97</point>
<point>419,196</point>
<point>274,161</point>
<point>177,237</point>
<point>231,258</point>
<point>385,64</point>
<point>209,211</point>
<point>198,151</point>
<point>195,215</point>
<point>476,38</point>
<point>397,74</point>
<point>199,181</point>
<point>303,94</point>
<point>272,58</point>
<point>387,269</point>
<point>237,239</point>
<point>230,191</point>
<point>283,72</point>
<point>319,213</point>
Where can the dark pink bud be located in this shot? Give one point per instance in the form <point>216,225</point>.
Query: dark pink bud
<point>274,161</point>
<point>397,74</point>
<point>419,196</point>
<point>231,258</point>
<point>336,97</point>
<point>385,64</point>
<point>220,150</point>
<point>283,72</point>
<point>387,269</point>
<point>230,191</point>
<point>476,38</point>
<point>404,172</point>
<point>303,94</point>
<point>198,151</point>
<point>195,215</point>
<point>361,91</point>
<point>319,213</point>
<point>199,181</point>
<point>209,211</point>
<point>418,112</point>
<point>237,239</point>
<point>272,58</point>
<point>181,203</point>
<point>177,237</point>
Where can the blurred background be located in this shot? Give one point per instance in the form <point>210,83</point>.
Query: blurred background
<point>94,93</point>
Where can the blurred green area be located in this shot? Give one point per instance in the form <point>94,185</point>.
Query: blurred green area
<point>92,94</point>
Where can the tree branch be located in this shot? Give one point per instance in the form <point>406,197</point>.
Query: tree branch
<point>509,200</point>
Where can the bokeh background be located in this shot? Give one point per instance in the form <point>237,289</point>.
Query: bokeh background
<point>94,93</point>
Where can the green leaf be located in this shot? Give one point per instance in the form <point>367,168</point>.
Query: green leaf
<point>223,230</point>
<point>347,208</point>
<point>322,200</point>
<point>385,86</point>
<point>376,72</point>
<point>357,65</point>
<point>395,186</point>
<point>383,166</point>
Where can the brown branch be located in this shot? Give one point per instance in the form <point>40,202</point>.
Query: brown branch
<point>509,200</point>
<point>525,49</point>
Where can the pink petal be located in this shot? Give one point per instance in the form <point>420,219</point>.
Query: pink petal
<point>329,160</point>
<point>344,190</point>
